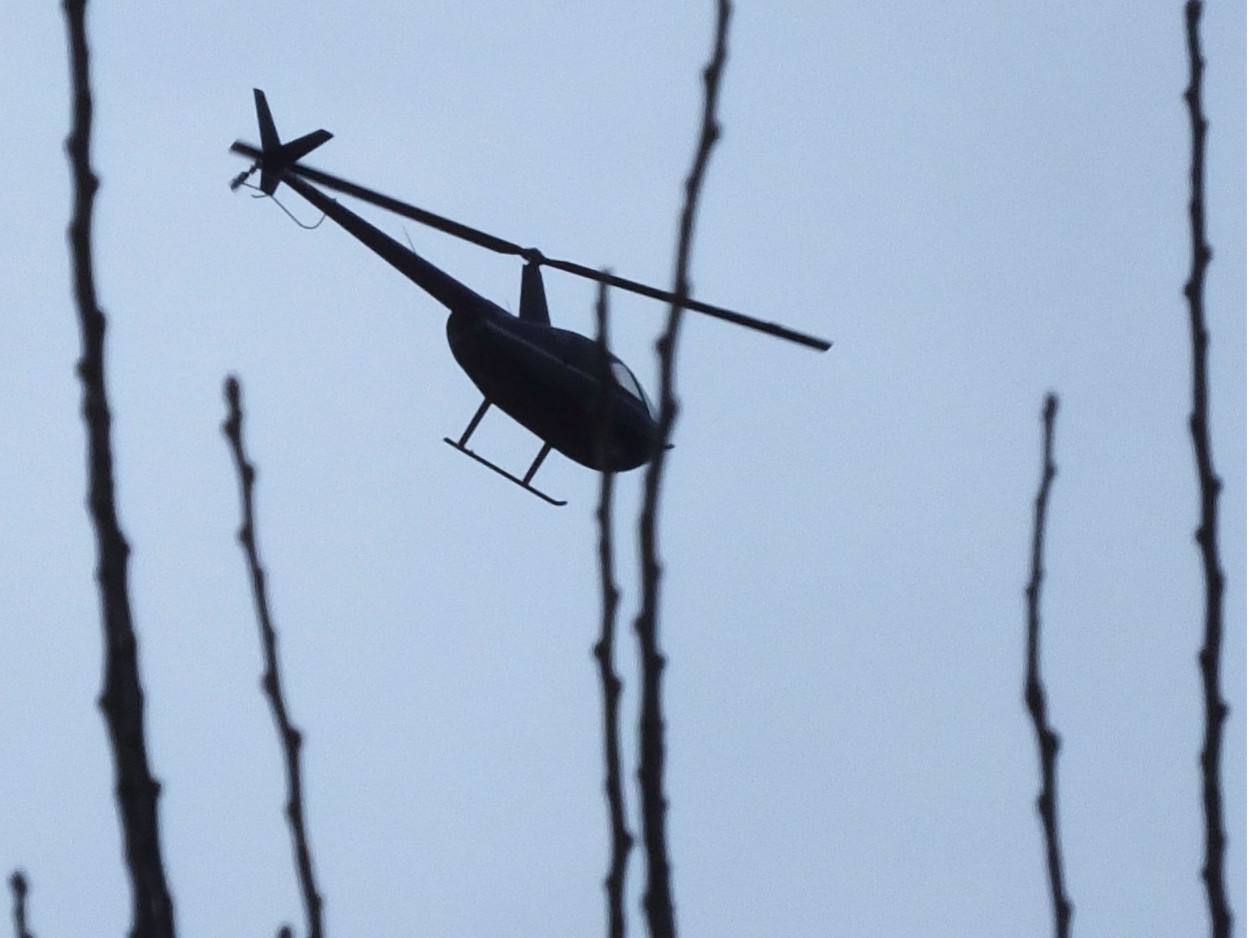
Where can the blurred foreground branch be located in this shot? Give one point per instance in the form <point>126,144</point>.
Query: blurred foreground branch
<point>272,681</point>
<point>657,899</point>
<point>1035,694</point>
<point>1216,709</point>
<point>622,840</point>
<point>17,884</point>
<point>121,699</point>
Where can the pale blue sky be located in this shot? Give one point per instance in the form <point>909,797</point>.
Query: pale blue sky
<point>978,203</point>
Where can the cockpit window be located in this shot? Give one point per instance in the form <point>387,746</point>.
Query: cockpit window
<point>625,378</point>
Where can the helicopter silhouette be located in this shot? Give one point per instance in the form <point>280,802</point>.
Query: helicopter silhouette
<point>573,394</point>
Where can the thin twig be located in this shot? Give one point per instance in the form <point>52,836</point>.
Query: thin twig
<point>1035,694</point>
<point>1216,708</point>
<point>272,680</point>
<point>622,840</point>
<point>658,898</point>
<point>17,883</point>
<point>121,699</point>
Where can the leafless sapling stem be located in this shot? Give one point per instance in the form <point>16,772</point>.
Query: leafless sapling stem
<point>622,840</point>
<point>658,898</point>
<point>17,884</point>
<point>1034,692</point>
<point>271,681</point>
<point>1216,709</point>
<point>121,699</point>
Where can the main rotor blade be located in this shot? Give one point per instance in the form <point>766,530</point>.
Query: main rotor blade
<point>718,312</point>
<point>499,245</point>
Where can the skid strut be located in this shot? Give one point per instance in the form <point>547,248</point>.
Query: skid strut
<point>462,445</point>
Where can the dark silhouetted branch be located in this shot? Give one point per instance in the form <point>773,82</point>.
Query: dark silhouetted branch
<point>17,883</point>
<point>272,681</point>
<point>658,898</point>
<point>1209,487</point>
<point>1035,694</point>
<point>622,841</point>
<point>121,699</point>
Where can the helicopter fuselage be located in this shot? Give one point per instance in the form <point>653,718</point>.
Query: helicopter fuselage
<point>557,384</point>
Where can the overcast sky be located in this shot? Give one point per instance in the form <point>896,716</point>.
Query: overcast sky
<point>977,202</point>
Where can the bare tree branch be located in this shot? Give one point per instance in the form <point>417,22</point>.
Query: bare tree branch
<point>1035,694</point>
<point>658,898</point>
<point>622,840</point>
<point>121,699</point>
<point>1216,708</point>
<point>17,883</point>
<point>272,680</point>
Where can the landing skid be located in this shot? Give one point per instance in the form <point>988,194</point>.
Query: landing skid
<point>524,482</point>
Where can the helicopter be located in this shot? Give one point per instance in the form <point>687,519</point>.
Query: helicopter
<point>574,395</point>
